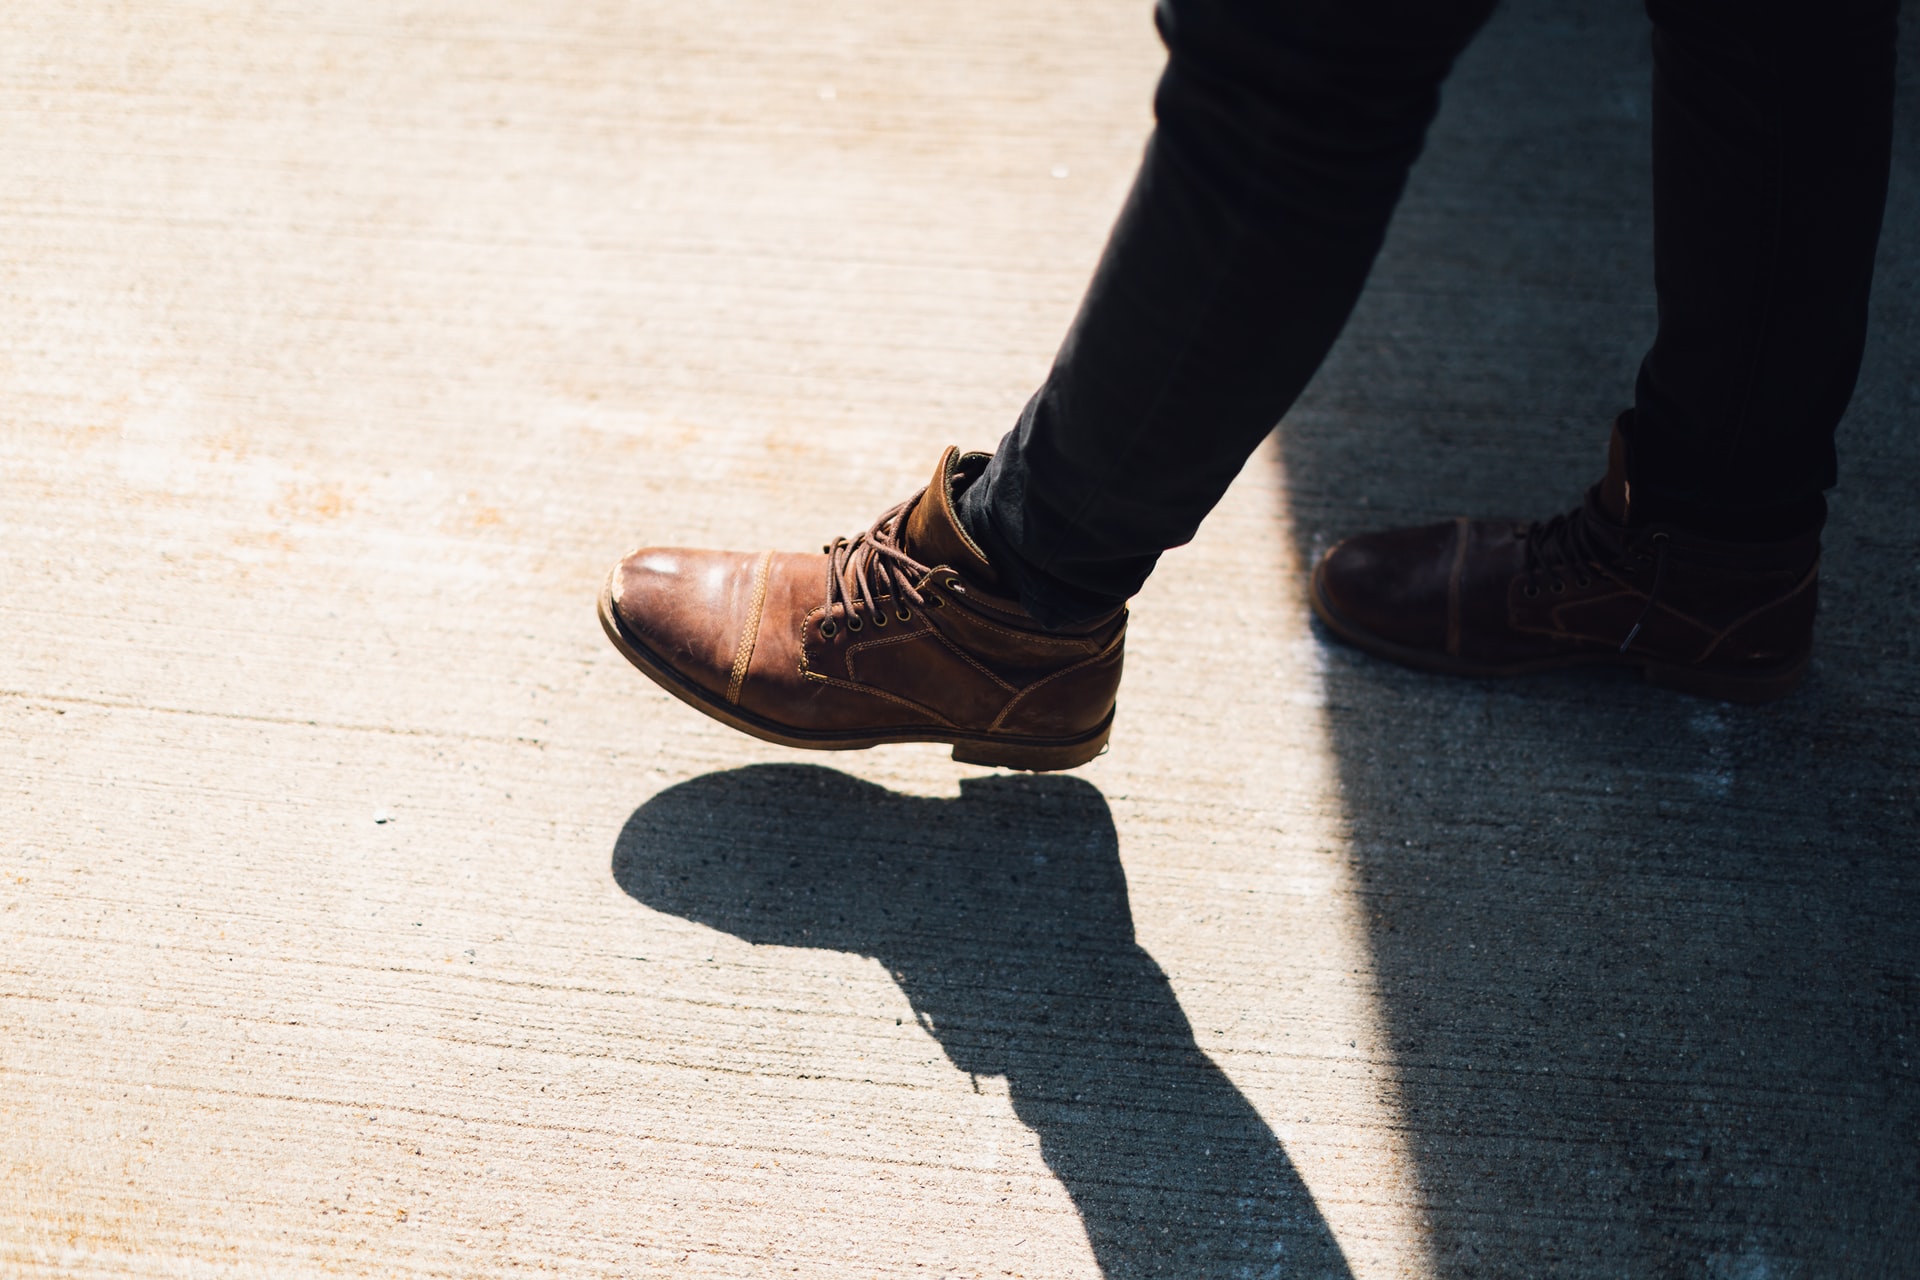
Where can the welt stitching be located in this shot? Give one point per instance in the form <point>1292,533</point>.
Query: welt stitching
<point>952,648</point>
<point>1741,621</point>
<point>1082,665</point>
<point>1659,605</point>
<point>976,664</point>
<point>805,668</point>
<point>750,632</point>
<point>1030,637</point>
<point>882,693</point>
<point>863,645</point>
<point>1556,624</point>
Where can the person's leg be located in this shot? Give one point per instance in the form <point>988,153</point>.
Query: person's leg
<point>1286,130</point>
<point>1696,558</point>
<point>1772,132</point>
<point>1285,133</point>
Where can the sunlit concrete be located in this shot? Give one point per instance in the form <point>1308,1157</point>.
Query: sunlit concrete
<point>344,350</point>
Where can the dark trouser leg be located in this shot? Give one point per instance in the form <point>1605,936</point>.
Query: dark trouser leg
<point>1772,130</point>
<point>1286,130</point>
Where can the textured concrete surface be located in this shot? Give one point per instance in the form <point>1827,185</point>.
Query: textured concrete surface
<point>362,913</point>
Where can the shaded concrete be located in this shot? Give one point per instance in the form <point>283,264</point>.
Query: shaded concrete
<point>1649,964</point>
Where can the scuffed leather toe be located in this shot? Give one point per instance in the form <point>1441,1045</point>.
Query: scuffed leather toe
<point>1392,584</point>
<point>687,608</point>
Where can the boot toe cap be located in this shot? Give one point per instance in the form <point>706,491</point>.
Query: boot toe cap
<point>684,607</point>
<point>1391,585</point>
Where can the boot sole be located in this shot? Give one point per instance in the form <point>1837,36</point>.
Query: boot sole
<point>1763,684</point>
<point>1037,755</point>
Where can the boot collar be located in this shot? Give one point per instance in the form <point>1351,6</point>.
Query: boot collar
<point>931,532</point>
<point>1613,498</point>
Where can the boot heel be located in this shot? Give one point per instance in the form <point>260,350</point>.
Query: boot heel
<point>1035,757</point>
<point>1763,685</point>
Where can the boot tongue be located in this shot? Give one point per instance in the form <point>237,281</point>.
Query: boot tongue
<point>932,533</point>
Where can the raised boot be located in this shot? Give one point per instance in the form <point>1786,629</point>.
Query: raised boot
<point>1723,619</point>
<point>898,634</point>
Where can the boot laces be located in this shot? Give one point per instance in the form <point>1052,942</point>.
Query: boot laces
<point>1574,543</point>
<point>863,569</point>
<point>1567,543</point>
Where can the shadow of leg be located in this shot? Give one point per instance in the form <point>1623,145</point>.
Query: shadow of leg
<point>1003,916</point>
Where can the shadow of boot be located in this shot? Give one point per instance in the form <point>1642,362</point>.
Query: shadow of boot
<point>1003,916</point>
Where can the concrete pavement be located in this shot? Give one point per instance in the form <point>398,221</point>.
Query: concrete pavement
<point>362,912</point>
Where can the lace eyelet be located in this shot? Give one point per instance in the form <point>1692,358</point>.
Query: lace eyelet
<point>904,615</point>
<point>879,617</point>
<point>1658,538</point>
<point>953,584</point>
<point>1583,581</point>
<point>1529,591</point>
<point>828,628</point>
<point>935,602</point>
<point>854,624</point>
<point>1558,587</point>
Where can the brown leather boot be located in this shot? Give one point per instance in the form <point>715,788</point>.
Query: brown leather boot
<point>1730,620</point>
<point>895,635</point>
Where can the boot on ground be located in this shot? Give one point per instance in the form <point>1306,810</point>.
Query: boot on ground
<point>898,634</point>
<point>1723,619</point>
